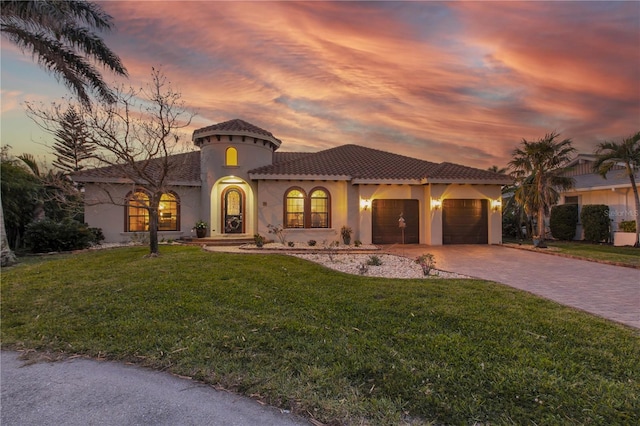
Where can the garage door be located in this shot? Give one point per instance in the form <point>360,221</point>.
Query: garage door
<point>465,222</point>
<point>385,215</point>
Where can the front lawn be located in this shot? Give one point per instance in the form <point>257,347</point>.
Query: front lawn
<point>343,349</point>
<point>605,252</point>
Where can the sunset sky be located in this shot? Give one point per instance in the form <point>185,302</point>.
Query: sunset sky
<point>463,82</point>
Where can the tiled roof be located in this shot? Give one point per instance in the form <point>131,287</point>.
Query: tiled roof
<point>359,163</point>
<point>185,170</point>
<point>235,127</point>
<point>352,161</point>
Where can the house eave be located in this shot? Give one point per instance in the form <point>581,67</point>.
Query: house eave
<point>261,176</point>
<point>200,138</point>
<point>369,181</point>
<point>599,188</point>
<point>126,181</point>
<point>466,181</point>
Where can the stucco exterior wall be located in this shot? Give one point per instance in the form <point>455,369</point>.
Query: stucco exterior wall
<point>108,213</point>
<point>620,201</point>
<point>344,210</point>
<point>464,191</point>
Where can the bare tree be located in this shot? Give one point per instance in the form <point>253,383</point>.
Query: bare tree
<point>137,136</point>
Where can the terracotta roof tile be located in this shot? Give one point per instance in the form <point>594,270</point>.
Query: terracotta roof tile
<point>235,126</point>
<point>186,170</point>
<point>358,162</point>
<point>355,161</point>
<point>456,172</point>
<point>352,162</point>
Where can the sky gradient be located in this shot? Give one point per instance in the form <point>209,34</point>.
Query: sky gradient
<point>463,82</point>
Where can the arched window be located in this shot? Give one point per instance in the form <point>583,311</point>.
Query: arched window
<point>294,209</point>
<point>231,157</point>
<point>319,207</point>
<point>137,214</point>
<point>307,212</point>
<point>168,213</point>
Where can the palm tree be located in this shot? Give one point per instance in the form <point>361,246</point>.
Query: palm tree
<point>626,153</point>
<point>60,34</point>
<point>538,168</point>
<point>496,169</point>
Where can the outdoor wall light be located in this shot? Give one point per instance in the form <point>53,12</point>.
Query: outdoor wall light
<point>365,203</point>
<point>436,203</point>
<point>496,205</point>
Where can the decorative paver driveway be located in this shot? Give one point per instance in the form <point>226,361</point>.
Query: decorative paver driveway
<point>612,292</point>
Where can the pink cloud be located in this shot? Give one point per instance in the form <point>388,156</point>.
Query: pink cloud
<point>452,81</point>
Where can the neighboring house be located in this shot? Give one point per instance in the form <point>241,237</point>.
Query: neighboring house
<point>591,188</point>
<point>240,184</point>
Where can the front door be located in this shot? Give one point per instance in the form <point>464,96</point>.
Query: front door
<point>233,213</point>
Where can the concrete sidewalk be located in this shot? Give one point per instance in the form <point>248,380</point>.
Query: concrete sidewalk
<point>612,292</point>
<point>87,392</point>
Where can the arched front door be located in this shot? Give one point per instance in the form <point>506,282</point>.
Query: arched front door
<point>233,211</point>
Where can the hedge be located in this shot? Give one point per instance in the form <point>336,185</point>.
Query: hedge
<point>595,222</point>
<point>563,221</point>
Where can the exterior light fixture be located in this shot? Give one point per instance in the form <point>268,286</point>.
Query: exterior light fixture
<point>496,205</point>
<point>365,203</point>
<point>436,203</point>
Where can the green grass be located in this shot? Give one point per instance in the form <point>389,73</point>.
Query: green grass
<point>629,256</point>
<point>603,252</point>
<point>344,349</point>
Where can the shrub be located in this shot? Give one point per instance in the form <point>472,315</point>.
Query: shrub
<point>47,235</point>
<point>97,235</point>
<point>311,243</point>
<point>374,261</point>
<point>290,243</point>
<point>258,239</point>
<point>357,243</point>
<point>427,262</point>
<point>627,226</point>
<point>278,231</point>
<point>563,221</point>
<point>595,222</point>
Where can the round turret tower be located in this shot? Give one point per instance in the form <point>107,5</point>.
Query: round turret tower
<point>228,151</point>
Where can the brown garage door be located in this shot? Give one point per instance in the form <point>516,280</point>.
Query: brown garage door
<point>465,222</point>
<point>385,215</point>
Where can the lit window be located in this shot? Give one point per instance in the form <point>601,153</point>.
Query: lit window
<point>294,213</point>
<point>231,157</point>
<point>319,209</point>
<point>168,213</point>
<point>138,214</point>
<point>307,212</point>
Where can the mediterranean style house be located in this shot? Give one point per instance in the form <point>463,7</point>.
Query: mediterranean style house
<point>590,188</point>
<point>239,183</point>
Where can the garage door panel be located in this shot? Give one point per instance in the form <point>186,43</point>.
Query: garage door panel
<point>465,222</point>
<point>385,215</point>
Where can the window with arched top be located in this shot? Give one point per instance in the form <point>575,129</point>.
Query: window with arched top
<point>168,213</point>
<point>294,208</point>
<point>319,208</point>
<point>137,212</point>
<point>231,157</point>
<point>302,211</point>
